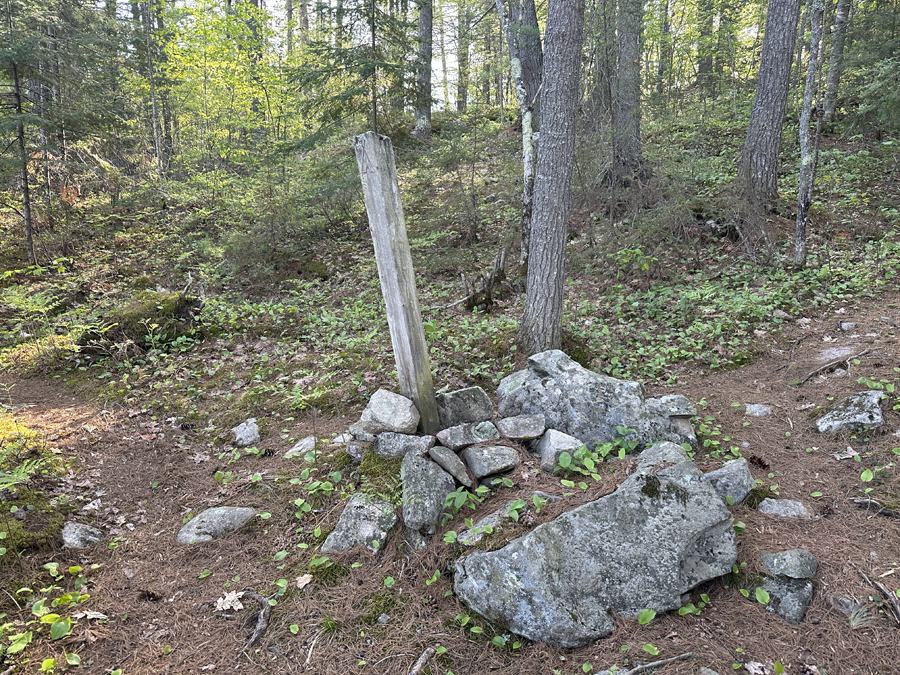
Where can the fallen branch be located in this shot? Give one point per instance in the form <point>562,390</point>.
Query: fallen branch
<point>687,656</point>
<point>882,511</point>
<point>420,664</point>
<point>262,621</point>
<point>832,364</point>
<point>890,600</point>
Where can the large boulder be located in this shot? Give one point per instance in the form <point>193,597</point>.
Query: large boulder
<point>387,411</point>
<point>425,489</point>
<point>862,410</point>
<point>589,405</point>
<point>464,405</point>
<point>663,532</point>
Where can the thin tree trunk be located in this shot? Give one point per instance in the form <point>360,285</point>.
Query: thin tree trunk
<point>626,106</point>
<point>757,175</point>
<point>836,60</point>
<point>541,327</point>
<point>705,63</point>
<point>154,108</point>
<point>462,56</point>
<point>523,25</point>
<point>664,50</point>
<point>423,75</point>
<point>445,80</point>
<point>808,154</point>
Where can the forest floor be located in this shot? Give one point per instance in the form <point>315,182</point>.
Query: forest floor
<point>144,476</point>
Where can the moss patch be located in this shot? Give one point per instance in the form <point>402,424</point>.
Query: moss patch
<point>149,320</point>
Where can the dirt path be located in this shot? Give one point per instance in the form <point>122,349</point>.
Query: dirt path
<point>139,479</point>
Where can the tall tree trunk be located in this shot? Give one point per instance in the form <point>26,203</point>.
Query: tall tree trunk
<point>626,104</point>
<point>423,74</point>
<point>757,175</point>
<point>705,11</point>
<point>153,100</point>
<point>304,22</point>
<point>808,153</point>
<point>463,41</point>
<point>836,59</point>
<point>445,79</point>
<point>524,32</point>
<point>664,47</point>
<point>289,28</point>
<point>541,327</point>
<point>526,110</point>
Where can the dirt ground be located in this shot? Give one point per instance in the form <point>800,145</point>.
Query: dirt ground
<point>143,478</point>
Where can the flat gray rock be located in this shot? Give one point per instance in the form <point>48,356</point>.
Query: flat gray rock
<point>589,405</point>
<point>861,410</point>
<point>522,427</point>
<point>757,409</point>
<point>487,460</point>
<point>301,447</point>
<point>552,444</point>
<point>732,480</point>
<point>663,532</point>
<point>786,508</point>
<point>457,438</point>
<point>387,411</point>
<point>365,520</point>
<point>463,406</point>
<point>79,535</point>
<point>452,464</point>
<point>425,488</point>
<point>246,433</point>
<point>789,598</point>
<point>391,444</point>
<point>214,523</point>
<point>797,563</point>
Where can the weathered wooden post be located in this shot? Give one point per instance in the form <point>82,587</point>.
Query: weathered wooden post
<point>378,173</point>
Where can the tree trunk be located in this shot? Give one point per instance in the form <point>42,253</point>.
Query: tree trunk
<point>153,101</point>
<point>836,60</point>
<point>757,175</point>
<point>524,32</point>
<point>664,52</point>
<point>289,21</point>
<point>626,104</point>
<point>808,153</point>
<point>23,160</point>
<point>705,12</point>
<point>423,76</point>
<point>463,40</point>
<point>541,327</point>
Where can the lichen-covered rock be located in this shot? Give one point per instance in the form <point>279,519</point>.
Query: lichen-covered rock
<point>463,406</point>
<point>301,447</point>
<point>522,427</point>
<point>487,460</point>
<point>365,520</point>
<point>789,598</point>
<point>246,433</point>
<point>552,444</point>
<point>862,410</point>
<point>214,523</point>
<point>757,409</point>
<point>79,535</point>
<point>732,480</point>
<point>797,563</point>
<point>425,488</point>
<point>589,406</point>
<point>786,508</point>
<point>452,464</point>
<point>457,438</point>
<point>391,444</point>
<point>660,534</point>
<point>387,411</point>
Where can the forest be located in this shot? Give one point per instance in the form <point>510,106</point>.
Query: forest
<point>693,194</point>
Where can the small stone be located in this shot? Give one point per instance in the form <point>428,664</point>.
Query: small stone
<point>847,325</point>
<point>365,520</point>
<point>757,410</point>
<point>457,438</point>
<point>796,563</point>
<point>391,444</point>
<point>552,445</point>
<point>383,619</point>
<point>388,411</point>
<point>359,433</point>
<point>246,433</point>
<point>732,480</point>
<point>487,460</point>
<point>781,314</point>
<point>452,464</point>
<point>786,508</point>
<point>415,539</point>
<point>214,523</point>
<point>464,406</point>
<point>860,410</point>
<point>302,446</point>
<point>79,535</point>
<point>522,427</point>
<point>341,439</point>
<point>703,669</point>
<point>789,598</point>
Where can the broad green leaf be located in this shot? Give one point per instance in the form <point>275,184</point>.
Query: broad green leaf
<point>650,649</point>
<point>762,596</point>
<point>60,629</point>
<point>646,616</point>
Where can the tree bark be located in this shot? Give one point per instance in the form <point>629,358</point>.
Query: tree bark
<point>836,60</point>
<point>524,32</point>
<point>808,153</point>
<point>541,327</point>
<point>463,40</point>
<point>423,75</point>
<point>626,103</point>
<point>757,175</point>
<point>705,10</point>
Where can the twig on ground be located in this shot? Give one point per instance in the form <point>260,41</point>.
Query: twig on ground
<point>424,659</point>
<point>262,621</point>
<point>832,364</point>
<point>392,656</point>
<point>882,511</point>
<point>890,600</point>
<point>312,646</point>
<point>687,656</point>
